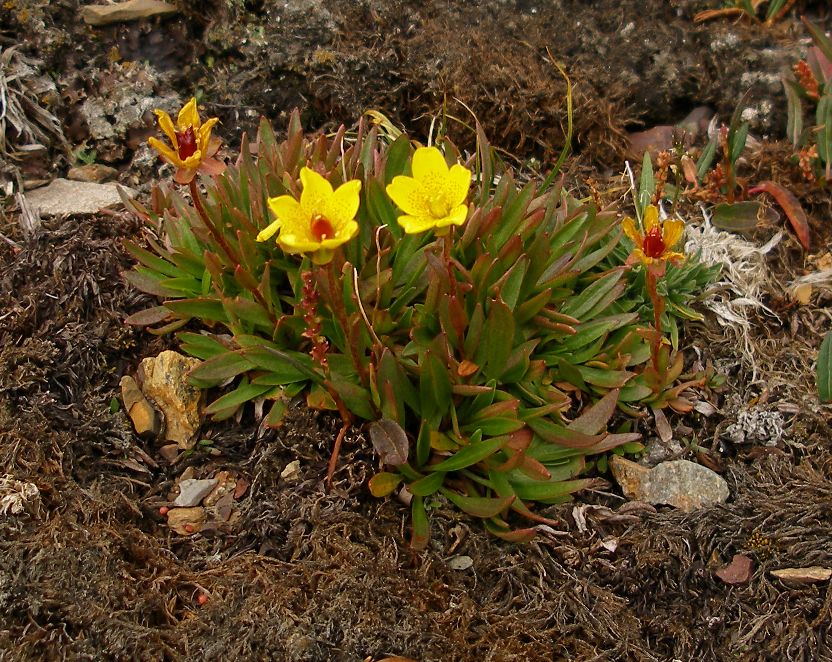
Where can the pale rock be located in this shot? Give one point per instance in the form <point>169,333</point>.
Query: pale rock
<point>186,521</point>
<point>193,490</point>
<point>146,420</point>
<point>630,476</point>
<point>164,380</point>
<point>93,172</point>
<point>809,575</point>
<point>679,483</point>
<point>131,10</point>
<point>63,196</point>
<point>291,471</point>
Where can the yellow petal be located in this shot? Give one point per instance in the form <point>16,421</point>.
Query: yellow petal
<point>408,196</point>
<point>290,216</point>
<point>188,116</point>
<point>316,192</point>
<point>629,227</point>
<point>639,255</point>
<point>193,161</point>
<point>203,139</point>
<point>651,218</point>
<point>457,184</point>
<point>342,236</point>
<point>672,232</point>
<point>268,232</point>
<point>292,243</point>
<point>166,124</point>
<point>429,164</point>
<point>416,224</point>
<point>431,174</point>
<point>165,151</point>
<point>674,257</point>
<point>340,209</point>
<point>457,216</point>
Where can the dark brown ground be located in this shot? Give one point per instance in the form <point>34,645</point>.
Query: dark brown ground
<point>306,575</point>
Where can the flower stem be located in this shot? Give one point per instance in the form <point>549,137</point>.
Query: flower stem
<point>658,308</point>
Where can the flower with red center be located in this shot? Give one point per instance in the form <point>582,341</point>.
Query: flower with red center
<point>434,197</point>
<point>320,221</point>
<point>191,147</point>
<point>655,244</point>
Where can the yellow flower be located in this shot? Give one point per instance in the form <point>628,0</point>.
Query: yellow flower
<point>658,238</point>
<point>434,198</point>
<point>191,148</point>
<point>322,220</point>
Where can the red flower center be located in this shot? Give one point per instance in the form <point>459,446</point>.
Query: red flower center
<point>321,228</point>
<point>187,142</point>
<point>654,243</point>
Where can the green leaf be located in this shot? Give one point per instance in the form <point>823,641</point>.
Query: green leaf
<point>249,311</point>
<point>239,396</point>
<point>646,184</point>
<point>823,369</point>
<point>200,345</point>
<point>217,370</point>
<point>582,303</point>
<point>151,261</point>
<point>706,159</point>
<point>356,398</point>
<point>148,282</point>
<point>794,119</point>
<point>427,485</point>
<point>434,388</point>
<point>484,507</point>
<point>737,140</point>
<point>558,434</point>
<point>419,522</point>
<point>397,154</point>
<point>498,340</point>
<point>591,331</point>
<point>205,308</point>
<point>544,491</point>
<point>470,454</point>
<point>824,120</point>
<point>279,369</point>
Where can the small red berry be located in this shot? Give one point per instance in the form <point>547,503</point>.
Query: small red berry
<point>202,598</point>
<point>189,528</point>
<point>163,510</point>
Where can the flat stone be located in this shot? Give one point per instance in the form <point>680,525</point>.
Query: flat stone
<point>680,483</point>
<point>63,196</point>
<point>146,420</point>
<point>186,521</point>
<point>630,476</point>
<point>164,380</point>
<point>93,172</point>
<point>132,10</point>
<point>193,490</point>
<point>810,575</point>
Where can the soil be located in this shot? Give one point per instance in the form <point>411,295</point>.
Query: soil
<point>90,570</point>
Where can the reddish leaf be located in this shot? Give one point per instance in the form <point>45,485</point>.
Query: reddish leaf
<point>790,204</point>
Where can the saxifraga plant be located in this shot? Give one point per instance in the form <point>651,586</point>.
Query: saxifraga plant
<point>477,325</point>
